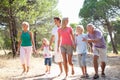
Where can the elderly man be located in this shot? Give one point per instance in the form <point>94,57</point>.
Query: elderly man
<point>99,48</point>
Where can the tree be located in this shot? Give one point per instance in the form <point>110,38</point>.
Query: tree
<point>116,26</point>
<point>101,11</point>
<point>13,12</point>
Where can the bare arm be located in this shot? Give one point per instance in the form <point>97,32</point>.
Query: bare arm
<point>52,39</point>
<point>97,38</point>
<point>41,48</point>
<point>32,39</point>
<point>73,39</point>
<point>91,40</point>
<point>58,40</point>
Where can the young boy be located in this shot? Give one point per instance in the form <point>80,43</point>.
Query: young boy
<point>81,48</point>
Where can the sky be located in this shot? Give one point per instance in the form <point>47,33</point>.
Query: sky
<point>70,9</point>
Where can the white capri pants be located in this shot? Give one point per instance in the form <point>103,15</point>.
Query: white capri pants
<point>25,54</point>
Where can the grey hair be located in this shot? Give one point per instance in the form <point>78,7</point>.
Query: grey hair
<point>26,23</point>
<point>91,25</point>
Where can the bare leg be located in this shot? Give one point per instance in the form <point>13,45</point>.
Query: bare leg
<point>49,69</point>
<point>103,66</point>
<point>82,68</point>
<point>60,66</point>
<point>27,69</point>
<point>65,63</point>
<point>85,69</point>
<point>70,62</point>
<point>24,68</point>
<point>46,69</point>
<point>95,61</point>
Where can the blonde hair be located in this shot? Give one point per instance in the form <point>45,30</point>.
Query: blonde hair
<point>63,22</point>
<point>26,23</point>
<point>45,39</point>
<point>81,26</point>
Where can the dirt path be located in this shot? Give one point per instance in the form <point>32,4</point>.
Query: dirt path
<point>10,69</point>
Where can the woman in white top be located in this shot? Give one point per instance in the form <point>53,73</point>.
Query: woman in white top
<point>81,49</point>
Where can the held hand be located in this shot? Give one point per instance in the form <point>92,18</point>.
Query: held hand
<point>34,50</point>
<point>50,48</point>
<point>74,47</point>
<point>37,52</point>
<point>17,52</point>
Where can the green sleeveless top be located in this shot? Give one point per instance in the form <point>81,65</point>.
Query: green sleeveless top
<point>26,39</point>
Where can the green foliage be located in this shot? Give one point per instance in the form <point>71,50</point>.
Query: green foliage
<point>99,9</point>
<point>4,39</point>
<point>101,12</point>
<point>73,25</point>
<point>39,13</point>
<point>116,27</point>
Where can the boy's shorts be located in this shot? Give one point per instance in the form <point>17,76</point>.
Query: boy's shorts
<point>82,59</point>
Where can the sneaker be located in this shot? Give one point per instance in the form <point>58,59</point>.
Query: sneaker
<point>103,75</point>
<point>96,76</point>
<point>86,75</point>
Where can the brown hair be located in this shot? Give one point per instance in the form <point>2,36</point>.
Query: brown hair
<point>57,18</point>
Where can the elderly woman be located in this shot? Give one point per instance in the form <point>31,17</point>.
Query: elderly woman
<point>25,45</point>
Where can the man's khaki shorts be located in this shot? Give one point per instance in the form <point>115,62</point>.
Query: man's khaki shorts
<point>101,53</point>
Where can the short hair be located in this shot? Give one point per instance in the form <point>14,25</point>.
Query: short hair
<point>57,19</point>
<point>26,23</point>
<point>81,26</point>
<point>91,25</point>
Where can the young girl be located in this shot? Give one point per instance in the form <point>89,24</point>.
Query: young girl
<point>81,48</point>
<point>47,54</point>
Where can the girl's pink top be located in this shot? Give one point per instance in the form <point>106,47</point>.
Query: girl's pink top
<point>65,36</point>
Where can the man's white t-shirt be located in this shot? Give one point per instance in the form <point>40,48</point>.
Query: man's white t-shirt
<point>58,56</point>
<point>55,33</point>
